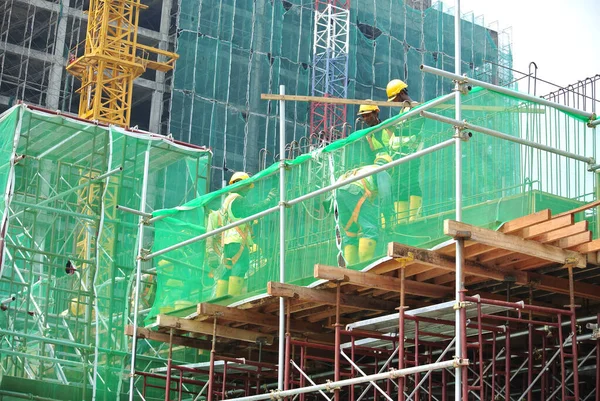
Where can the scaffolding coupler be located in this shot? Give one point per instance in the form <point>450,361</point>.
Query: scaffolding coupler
<point>405,259</point>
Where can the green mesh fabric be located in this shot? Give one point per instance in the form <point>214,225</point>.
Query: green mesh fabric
<point>231,51</point>
<point>501,181</point>
<point>66,329</point>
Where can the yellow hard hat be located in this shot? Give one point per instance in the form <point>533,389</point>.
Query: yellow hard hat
<point>367,108</point>
<point>382,158</point>
<point>238,176</point>
<point>394,87</point>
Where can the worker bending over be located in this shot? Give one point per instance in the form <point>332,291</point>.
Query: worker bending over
<point>230,267</point>
<point>405,139</point>
<point>360,206</point>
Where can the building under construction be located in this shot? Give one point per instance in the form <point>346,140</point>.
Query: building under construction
<point>480,281</point>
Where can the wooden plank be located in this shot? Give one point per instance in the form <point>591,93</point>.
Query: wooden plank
<point>255,318</point>
<point>556,284</point>
<point>333,100</point>
<point>389,283</point>
<point>194,326</point>
<point>574,240</point>
<point>592,246</point>
<point>327,297</point>
<point>580,208</point>
<point>514,243</point>
<point>525,221</point>
<point>542,228</point>
<point>561,233</point>
<point>430,274</point>
<point>566,243</point>
<point>162,337</point>
<point>447,278</point>
<point>448,263</point>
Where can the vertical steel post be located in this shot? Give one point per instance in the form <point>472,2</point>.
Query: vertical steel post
<point>288,338</point>
<point>574,354</point>
<point>493,392</point>
<point>401,336</point>
<point>597,362</point>
<point>337,367</point>
<point>138,274</point>
<point>507,365</point>
<point>417,376</point>
<point>459,323</point>
<point>211,366</point>
<point>169,365</point>
<point>282,197</point>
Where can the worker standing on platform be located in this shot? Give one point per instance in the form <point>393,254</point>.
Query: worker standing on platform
<point>360,206</point>
<point>405,139</point>
<point>236,243</point>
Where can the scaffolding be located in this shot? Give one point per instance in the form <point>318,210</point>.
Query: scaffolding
<point>505,337</point>
<point>67,259</point>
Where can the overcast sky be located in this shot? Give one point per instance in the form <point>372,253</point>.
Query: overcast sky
<point>561,36</point>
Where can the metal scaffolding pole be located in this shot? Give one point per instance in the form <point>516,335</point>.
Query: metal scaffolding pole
<point>460,325</point>
<point>282,206</point>
<point>138,274</point>
<point>330,386</point>
<point>465,80</point>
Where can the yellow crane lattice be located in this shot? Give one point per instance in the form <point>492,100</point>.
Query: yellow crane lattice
<point>112,60</point>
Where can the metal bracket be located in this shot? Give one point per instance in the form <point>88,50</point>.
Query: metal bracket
<point>460,305</point>
<point>329,388</point>
<point>570,262</point>
<point>143,253</point>
<point>274,395</point>
<point>405,259</point>
<point>592,167</point>
<point>285,204</point>
<point>458,362</point>
<point>462,235</point>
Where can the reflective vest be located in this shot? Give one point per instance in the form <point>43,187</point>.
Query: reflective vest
<point>367,184</point>
<point>239,234</point>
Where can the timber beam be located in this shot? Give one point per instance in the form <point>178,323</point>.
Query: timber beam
<point>381,282</point>
<point>276,289</point>
<point>538,281</point>
<point>163,337</point>
<point>246,316</point>
<point>194,326</point>
<point>514,244</point>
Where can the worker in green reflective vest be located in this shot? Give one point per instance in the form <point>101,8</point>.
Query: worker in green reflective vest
<point>405,139</point>
<point>360,206</point>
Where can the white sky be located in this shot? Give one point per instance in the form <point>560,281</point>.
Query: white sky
<point>561,36</point>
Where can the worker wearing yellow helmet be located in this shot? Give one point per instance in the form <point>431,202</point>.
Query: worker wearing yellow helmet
<point>369,114</point>
<point>360,205</point>
<point>405,139</point>
<point>235,243</point>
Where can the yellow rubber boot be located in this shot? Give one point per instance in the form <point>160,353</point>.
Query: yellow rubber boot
<point>351,255</point>
<point>366,249</point>
<point>401,208</point>
<point>222,287</point>
<point>415,207</point>
<point>236,284</point>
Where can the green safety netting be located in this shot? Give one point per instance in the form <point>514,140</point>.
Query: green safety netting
<point>231,51</point>
<point>501,180</point>
<point>68,254</point>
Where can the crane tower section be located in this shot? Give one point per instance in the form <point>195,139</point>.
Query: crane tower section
<point>112,60</point>
<point>330,67</point>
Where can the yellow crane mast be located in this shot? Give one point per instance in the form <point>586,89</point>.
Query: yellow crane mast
<point>112,60</point>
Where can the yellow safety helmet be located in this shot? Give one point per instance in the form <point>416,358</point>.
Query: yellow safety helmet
<point>367,108</point>
<point>382,158</point>
<point>238,176</point>
<point>394,87</point>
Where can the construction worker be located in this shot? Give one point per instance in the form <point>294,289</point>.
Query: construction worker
<point>360,206</point>
<point>369,114</point>
<point>235,244</point>
<point>405,139</point>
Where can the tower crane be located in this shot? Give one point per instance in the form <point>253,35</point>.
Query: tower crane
<point>112,60</point>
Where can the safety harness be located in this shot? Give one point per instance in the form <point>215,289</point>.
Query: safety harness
<point>223,221</point>
<point>354,216</point>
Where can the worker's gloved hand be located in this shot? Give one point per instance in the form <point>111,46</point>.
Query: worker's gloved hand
<point>213,261</point>
<point>273,194</point>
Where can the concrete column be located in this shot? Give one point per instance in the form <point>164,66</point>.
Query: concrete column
<point>58,59</point>
<point>156,107</point>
